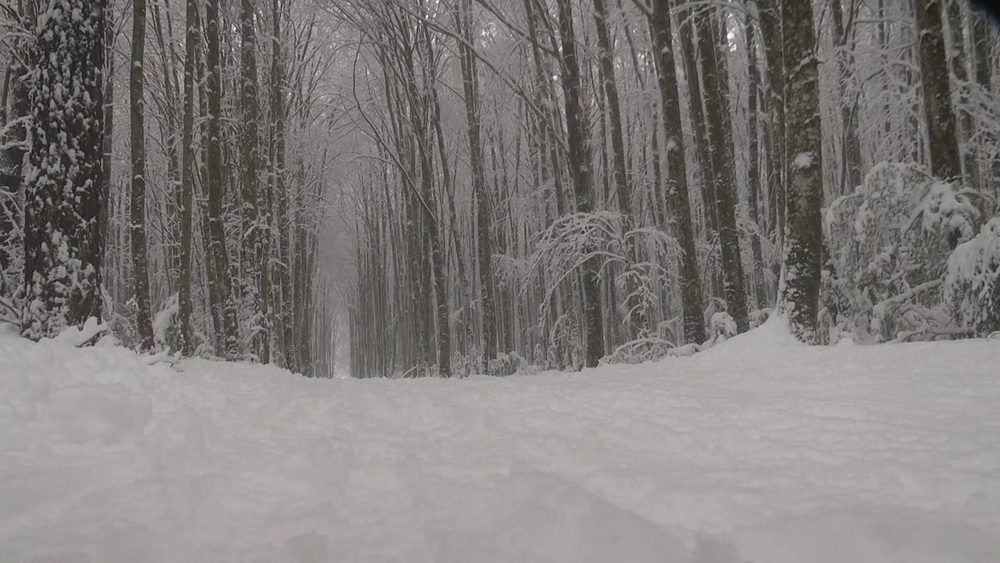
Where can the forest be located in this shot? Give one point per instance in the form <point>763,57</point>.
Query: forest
<point>410,188</point>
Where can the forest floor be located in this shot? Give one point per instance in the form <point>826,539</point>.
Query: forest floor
<point>757,450</point>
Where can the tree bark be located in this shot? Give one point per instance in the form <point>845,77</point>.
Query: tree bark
<point>187,181</point>
<point>753,165</point>
<point>251,257</point>
<point>62,250</point>
<point>580,157</point>
<point>960,70</point>
<point>803,245</point>
<point>676,185</point>
<point>470,86</point>
<point>944,156</point>
<point>638,324</point>
<point>137,207</point>
<point>770,28</point>
<point>850,146</point>
<point>722,176</point>
<point>217,227</point>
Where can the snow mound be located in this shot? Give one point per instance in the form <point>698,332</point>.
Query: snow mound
<point>758,450</point>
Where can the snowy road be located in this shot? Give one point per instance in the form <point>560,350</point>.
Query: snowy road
<point>758,450</point>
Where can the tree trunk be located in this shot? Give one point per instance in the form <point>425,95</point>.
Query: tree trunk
<point>215,303</point>
<point>803,245</point>
<point>697,109</point>
<point>770,28</point>
<point>580,157</point>
<point>187,181</point>
<point>217,228</point>
<point>960,71</point>
<point>753,165</point>
<point>470,85</point>
<point>850,146</point>
<point>109,124</point>
<point>940,116</point>
<point>638,324</point>
<point>676,188</point>
<point>725,192</point>
<point>251,257</point>
<point>62,250</point>
<point>137,207</point>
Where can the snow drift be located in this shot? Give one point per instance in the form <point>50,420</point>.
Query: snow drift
<point>758,450</point>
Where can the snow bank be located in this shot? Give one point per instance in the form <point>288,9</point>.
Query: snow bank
<point>758,450</point>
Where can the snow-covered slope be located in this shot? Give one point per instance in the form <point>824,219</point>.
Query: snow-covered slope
<point>757,450</point>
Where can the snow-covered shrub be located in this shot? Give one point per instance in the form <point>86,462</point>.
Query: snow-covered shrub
<point>887,247</point>
<point>640,350</point>
<point>575,239</point>
<point>722,327</point>
<point>166,324</point>
<point>508,364</point>
<point>971,287</point>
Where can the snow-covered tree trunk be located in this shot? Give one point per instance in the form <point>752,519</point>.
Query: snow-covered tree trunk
<point>470,87</point>
<point>804,232</point>
<point>676,185</point>
<point>960,72</point>
<point>217,227</point>
<point>938,111</point>
<point>850,146</point>
<point>187,182</point>
<point>252,234</point>
<point>722,173</point>
<point>62,246</point>
<point>137,193</point>
<point>753,165</point>
<point>770,31</point>
<point>580,156</point>
<point>637,321</point>
<point>109,126</point>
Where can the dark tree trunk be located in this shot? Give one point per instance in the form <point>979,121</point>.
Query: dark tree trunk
<point>676,188</point>
<point>251,257</point>
<point>62,247</point>
<point>803,245</point>
<point>697,109</point>
<point>187,181</point>
<point>217,228</point>
<point>960,71</point>
<point>137,206</point>
<point>470,85</point>
<point>580,157</point>
<point>940,116</point>
<point>770,28</point>
<point>722,175</point>
<point>850,146</point>
<point>638,324</point>
<point>109,124</point>
<point>753,165</point>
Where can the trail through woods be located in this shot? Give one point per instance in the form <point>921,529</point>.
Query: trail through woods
<point>759,450</point>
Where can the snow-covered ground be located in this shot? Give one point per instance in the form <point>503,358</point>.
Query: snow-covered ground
<point>758,450</point>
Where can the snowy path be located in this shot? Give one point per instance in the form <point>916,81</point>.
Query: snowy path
<point>757,450</point>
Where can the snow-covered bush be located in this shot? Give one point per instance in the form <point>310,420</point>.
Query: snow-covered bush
<point>640,350</point>
<point>888,244</point>
<point>971,287</point>
<point>166,326</point>
<point>509,364</point>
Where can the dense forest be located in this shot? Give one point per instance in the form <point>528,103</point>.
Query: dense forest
<point>403,188</point>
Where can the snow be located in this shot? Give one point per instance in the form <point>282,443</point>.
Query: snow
<point>803,160</point>
<point>759,449</point>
